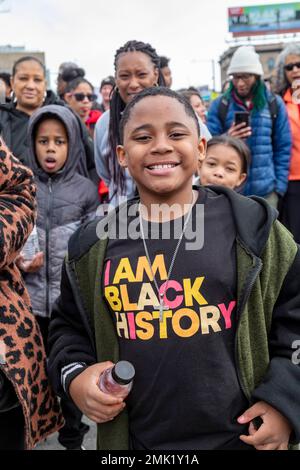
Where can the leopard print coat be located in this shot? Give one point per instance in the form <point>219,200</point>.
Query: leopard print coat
<point>25,360</point>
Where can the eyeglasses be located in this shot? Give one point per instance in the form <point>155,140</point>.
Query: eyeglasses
<point>244,77</point>
<point>290,67</point>
<point>80,96</point>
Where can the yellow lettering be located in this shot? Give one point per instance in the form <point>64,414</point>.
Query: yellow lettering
<point>211,321</point>
<point>124,296</point>
<point>122,325</point>
<point>144,267</point>
<point>141,321</point>
<point>112,296</point>
<point>193,291</point>
<point>195,322</point>
<point>124,271</point>
<point>147,297</point>
<point>163,333</point>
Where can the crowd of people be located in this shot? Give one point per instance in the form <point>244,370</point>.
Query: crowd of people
<point>76,296</point>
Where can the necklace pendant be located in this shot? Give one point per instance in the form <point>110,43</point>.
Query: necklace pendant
<point>161,307</point>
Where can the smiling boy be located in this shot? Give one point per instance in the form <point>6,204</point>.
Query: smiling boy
<point>110,308</point>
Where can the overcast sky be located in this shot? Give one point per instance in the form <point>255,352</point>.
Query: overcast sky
<point>192,33</point>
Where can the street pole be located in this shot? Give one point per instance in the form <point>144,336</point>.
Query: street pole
<point>213,74</point>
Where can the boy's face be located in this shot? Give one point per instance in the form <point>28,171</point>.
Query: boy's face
<point>161,146</point>
<point>222,166</point>
<point>51,145</point>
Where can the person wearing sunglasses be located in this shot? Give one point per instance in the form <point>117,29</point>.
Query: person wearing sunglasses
<point>249,111</point>
<point>79,95</point>
<point>288,86</point>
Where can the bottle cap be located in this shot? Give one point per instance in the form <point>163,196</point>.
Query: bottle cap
<point>123,372</point>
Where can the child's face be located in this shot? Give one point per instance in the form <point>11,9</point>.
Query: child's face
<point>198,107</point>
<point>161,146</point>
<point>222,166</point>
<point>51,145</point>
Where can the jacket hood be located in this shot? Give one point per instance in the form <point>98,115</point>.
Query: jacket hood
<point>76,150</point>
<point>253,217</point>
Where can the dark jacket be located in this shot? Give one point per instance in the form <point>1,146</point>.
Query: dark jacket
<point>14,126</point>
<point>270,145</point>
<point>268,313</point>
<point>65,200</point>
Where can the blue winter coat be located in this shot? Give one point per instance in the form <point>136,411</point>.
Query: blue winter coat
<point>270,158</point>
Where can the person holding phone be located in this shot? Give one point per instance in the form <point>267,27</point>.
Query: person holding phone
<point>249,111</point>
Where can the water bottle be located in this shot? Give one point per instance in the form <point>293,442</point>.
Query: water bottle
<point>117,380</point>
<point>31,247</point>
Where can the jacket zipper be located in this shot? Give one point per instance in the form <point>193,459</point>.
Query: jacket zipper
<point>49,208</point>
<point>250,283</point>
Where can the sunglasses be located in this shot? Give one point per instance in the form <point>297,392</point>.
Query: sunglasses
<point>290,67</point>
<point>80,96</point>
<point>243,76</point>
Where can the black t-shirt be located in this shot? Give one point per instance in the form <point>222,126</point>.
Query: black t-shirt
<point>186,393</point>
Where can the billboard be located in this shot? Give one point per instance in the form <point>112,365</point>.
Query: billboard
<point>264,19</point>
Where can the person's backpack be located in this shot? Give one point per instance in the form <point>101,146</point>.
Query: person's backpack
<point>224,105</point>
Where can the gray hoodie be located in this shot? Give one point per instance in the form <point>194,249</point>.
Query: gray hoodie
<point>65,200</point>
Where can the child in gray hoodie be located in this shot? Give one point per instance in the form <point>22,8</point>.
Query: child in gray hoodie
<point>65,200</point>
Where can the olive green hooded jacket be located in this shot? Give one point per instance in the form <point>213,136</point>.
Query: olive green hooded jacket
<point>268,313</point>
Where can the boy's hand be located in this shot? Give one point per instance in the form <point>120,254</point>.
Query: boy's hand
<point>239,131</point>
<point>30,266</point>
<point>273,434</point>
<point>96,405</point>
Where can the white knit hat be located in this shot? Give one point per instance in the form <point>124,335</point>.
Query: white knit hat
<point>245,60</point>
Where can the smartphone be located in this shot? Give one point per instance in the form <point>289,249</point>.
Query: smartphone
<point>242,116</point>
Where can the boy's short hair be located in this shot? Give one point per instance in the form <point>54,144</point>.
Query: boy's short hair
<point>157,91</point>
<point>238,145</point>
<point>44,118</point>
